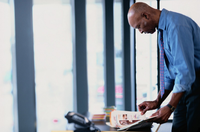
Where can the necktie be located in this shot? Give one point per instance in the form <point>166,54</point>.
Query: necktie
<point>162,83</point>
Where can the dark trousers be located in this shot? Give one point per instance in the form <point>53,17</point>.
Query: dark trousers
<point>187,114</point>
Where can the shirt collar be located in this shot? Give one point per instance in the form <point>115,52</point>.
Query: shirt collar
<point>162,20</point>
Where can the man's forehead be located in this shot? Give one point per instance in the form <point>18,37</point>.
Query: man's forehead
<point>134,20</point>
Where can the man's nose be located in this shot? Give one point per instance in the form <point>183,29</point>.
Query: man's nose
<point>140,30</point>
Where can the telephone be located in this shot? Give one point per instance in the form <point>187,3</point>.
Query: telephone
<point>81,120</point>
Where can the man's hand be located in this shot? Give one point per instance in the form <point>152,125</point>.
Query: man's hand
<point>148,105</point>
<point>162,114</point>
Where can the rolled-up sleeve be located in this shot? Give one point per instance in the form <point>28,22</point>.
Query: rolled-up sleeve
<point>179,88</point>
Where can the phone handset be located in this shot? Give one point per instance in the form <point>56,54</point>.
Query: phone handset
<point>81,120</point>
<point>78,119</point>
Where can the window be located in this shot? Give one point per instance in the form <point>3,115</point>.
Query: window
<point>95,61</point>
<point>6,90</point>
<point>118,54</point>
<point>53,63</point>
<point>146,63</point>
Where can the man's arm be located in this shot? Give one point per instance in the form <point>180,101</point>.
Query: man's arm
<point>175,99</point>
<point>164,113</point>
<point>159,100</point>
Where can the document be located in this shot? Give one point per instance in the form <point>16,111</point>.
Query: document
<point>129,120</point>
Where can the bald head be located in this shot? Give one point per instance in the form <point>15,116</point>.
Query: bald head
<point>138,7</point>
<point>140,14</point>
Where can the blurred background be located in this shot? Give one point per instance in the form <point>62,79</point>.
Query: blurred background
<point>53,60</point>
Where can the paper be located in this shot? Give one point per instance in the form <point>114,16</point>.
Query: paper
<point>129,120</point>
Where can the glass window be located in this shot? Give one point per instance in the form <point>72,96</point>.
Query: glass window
<point>146,63</point>
<point>95,61</point>
<point>53,63</point>
<point>118,54</point>
<point>6,90</point>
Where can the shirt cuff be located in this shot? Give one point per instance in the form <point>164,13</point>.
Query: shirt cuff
<point>180,88</point>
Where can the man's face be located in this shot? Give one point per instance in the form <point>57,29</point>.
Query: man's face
<point>143,23</point>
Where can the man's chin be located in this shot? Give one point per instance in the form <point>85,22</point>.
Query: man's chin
<point>151,32</point>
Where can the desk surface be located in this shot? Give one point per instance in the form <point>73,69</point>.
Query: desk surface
<point>105,128</point>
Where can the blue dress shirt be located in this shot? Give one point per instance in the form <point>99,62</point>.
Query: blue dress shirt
<point>181,36</point>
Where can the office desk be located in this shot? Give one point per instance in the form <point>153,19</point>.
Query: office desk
<point>105,128</point>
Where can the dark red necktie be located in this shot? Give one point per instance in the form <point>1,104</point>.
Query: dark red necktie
<point>162,83</point>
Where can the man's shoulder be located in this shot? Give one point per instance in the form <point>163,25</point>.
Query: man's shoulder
<point>170,20</point>
<point>176,20</point>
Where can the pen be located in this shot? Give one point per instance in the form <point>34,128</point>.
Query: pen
<point>158,128</point>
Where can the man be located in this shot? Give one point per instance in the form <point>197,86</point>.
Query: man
<point>180,37</point>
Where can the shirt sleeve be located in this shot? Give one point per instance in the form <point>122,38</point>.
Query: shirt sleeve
<point>182,50</point>
<point>169,86</point>
<point>169,83</point>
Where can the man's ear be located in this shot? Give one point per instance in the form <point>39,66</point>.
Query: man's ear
<point>145,15</point>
